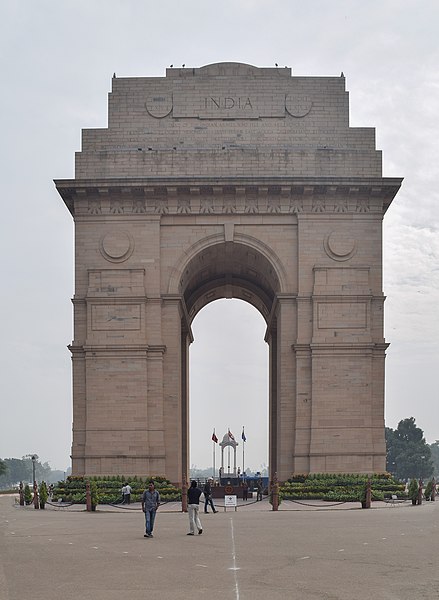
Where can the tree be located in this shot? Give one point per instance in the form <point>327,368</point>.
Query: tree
<point>17,470</point>
<point>434,448</point>
<point>3,467</point>
<point>20,469</point>
<point>43,494</point>
<point>408,454</point>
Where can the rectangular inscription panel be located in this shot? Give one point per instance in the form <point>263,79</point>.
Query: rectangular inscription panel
<point>218,104</point>
<point>342,315</point>
<point>120,317</point>
<point>116,281</point>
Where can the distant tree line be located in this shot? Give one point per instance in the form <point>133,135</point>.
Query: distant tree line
<point>408,454</point>
<point>196,473</point>
<point>14,470</point>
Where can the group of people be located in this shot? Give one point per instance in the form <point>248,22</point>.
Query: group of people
<point>126,493</point>
<point>151,502</point>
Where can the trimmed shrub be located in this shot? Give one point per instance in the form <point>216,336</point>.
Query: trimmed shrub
<point>340,487</point>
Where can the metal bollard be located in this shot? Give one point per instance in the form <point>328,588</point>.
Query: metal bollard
<point>184,495</point>
<point>88,496</point>
<point>421,485</point>
<point>275,493</point>
<point>367,502</point>
<point>35,498</point>
<point>21,494</point>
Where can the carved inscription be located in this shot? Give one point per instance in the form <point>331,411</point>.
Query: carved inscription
<point>228,102</point>
<point>115,318</point>
<point>218,104</point>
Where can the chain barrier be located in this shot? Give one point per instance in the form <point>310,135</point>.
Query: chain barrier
<point>244,504</point>
<point>134,508</point>
<point>314,505</point>
<point>390,500</point>
<point>65,504</point>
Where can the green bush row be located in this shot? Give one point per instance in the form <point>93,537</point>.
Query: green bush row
<point>340,477</point>
<point>101,487</point>
<point>108,489</point>
<point>120,478</point>
<point>309,487</point>
<point>79,498</point>
<point>341,487</point>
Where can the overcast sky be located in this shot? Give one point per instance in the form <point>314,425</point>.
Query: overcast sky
<point>57,59</point>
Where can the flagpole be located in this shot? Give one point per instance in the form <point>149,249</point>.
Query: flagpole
<point>243,446</point>
<point>213,450</point>
<point>213,474</point>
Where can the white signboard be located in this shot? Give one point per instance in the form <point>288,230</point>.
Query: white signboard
<point>230,501</point>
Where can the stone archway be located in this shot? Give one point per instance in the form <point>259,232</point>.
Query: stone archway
<point>247,271</point>
<point>228,180</point>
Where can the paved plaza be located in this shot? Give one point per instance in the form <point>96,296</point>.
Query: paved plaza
<point>304,552</point>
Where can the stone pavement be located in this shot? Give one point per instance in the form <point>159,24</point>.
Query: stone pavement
<point>339,553</point>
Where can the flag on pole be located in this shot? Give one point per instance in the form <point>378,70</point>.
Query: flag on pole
<point>214,438</point>
<point>231,436</point>
<point>244,439</point>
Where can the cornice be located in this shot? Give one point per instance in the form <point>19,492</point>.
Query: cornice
<point>157,197</point>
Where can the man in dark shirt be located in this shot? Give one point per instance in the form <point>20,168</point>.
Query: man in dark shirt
<point>193,497</point>
<point>150,504</point>
<point>207,491</point>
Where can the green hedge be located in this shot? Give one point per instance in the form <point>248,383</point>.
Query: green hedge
<point>340,487</point>
<point>73,489</point>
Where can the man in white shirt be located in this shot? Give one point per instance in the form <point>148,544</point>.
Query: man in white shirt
<point>127,495</point>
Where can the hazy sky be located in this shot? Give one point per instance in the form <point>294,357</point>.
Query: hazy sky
<point>57,59</point>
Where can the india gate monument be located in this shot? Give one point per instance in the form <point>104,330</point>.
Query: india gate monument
<point>228,181</point>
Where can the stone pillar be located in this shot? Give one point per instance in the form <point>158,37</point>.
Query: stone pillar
<point>175,390</point>
<point>286,385</point>
<point>271,338</point>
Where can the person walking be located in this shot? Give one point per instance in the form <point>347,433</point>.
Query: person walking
<point>207,491</point>
<point>150,504</point>
<point>259,490</point>
<point>126,493</point>
<point>193,496</point>
<point>245,490</point>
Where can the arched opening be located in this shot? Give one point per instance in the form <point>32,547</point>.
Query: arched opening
<point>239,270</point>
<point>228,384</point>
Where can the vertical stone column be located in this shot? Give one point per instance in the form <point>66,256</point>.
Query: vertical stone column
<point>286,378</point>
<point>175,389</point>
<point>79,410</point>
<point>303,408</point>
<point>271,338</point>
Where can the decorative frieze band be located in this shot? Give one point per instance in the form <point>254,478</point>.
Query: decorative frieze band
<point>227,199</point>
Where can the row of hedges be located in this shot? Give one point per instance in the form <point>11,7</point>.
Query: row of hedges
<point>109,489</point>
<point>341,477</point>
<point>341,488</point>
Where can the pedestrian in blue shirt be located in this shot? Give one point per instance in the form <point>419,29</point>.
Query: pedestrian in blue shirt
<point>150,504</point>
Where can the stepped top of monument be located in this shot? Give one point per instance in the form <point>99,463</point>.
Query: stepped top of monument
<point>228,119</point>
<point>229,69</point>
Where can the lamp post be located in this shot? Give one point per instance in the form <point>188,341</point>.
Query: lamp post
<point>34,459</point>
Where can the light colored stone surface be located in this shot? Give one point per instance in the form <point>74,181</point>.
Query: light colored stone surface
<point>385,553</point>
<point>228,181</point>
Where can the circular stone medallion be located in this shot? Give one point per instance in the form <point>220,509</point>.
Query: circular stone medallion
<point>298,105</point>
<point>159,106</point>
<point>116,246</point>
<point>340,245</point>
